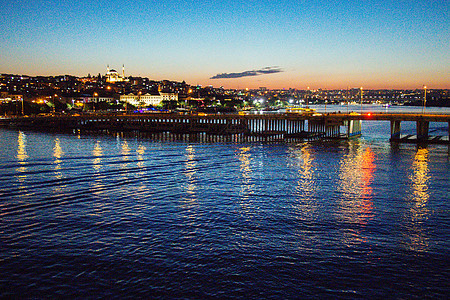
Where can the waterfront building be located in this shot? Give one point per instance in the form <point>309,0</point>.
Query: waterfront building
<point>169,96</point>
<point>147,99</point>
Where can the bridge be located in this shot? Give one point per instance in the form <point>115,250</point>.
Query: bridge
<point>276,126</point>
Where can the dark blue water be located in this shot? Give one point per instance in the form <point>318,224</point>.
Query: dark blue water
<point>125,217</point>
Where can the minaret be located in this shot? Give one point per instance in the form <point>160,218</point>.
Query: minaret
<point>123,71</point>
<point>107,69</point>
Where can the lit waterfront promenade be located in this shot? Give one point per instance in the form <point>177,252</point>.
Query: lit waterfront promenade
<point>276,126</point>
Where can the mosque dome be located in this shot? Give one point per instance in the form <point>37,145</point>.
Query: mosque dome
<point>114,76</point>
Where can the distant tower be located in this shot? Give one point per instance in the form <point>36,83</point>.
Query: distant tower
<point>107,68</point>
<point>123,71</point>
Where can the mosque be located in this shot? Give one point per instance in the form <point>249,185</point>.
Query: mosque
<point>113,76</point>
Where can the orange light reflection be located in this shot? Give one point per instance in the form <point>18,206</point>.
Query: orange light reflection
<point>356,178</point>
<point>418,199</point>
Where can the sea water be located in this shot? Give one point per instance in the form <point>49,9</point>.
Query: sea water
<point>126,216</point>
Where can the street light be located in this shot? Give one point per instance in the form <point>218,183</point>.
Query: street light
<point>21,98</point>
<point>347,99</point>
<point>361,97</point>
<point>424,98</point>
<point>95,100</point>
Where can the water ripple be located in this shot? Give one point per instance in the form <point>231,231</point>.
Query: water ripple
<point>127,217</point>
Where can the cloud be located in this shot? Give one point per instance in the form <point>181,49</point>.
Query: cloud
<point>266,70</point>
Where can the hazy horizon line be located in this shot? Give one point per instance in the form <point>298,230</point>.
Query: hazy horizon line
<point>238,86</point>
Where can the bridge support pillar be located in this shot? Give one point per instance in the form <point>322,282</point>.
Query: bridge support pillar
<point>354,128</point>
<point>395,130</point>
<point>422,130</point>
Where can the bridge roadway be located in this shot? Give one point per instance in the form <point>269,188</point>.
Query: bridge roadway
<point>397,117</point>
<point>278,125</point>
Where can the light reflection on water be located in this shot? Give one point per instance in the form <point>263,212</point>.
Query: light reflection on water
<point>247,186</point>
<point>141,185</point>
<point>140,155</point>
<point>97,153</point>
<point>22,156</point>
<point>58,174</point>
<point>356,177</point>
<point>306,206</point>
<point>245,220</point>
<point>189,202</point>
<point>96,181</point>
<point>306,184</point>
<point>22,147</point>
<point>57,151</point>
<point>417,200</point>
<point>125,149</point>
<point>356,171</point>
<point>190,173</point>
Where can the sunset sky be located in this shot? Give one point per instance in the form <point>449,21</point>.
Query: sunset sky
<point>274,44</point>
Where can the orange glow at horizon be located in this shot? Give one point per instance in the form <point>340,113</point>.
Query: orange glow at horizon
<point>242,83</point>
<point>325,81</point>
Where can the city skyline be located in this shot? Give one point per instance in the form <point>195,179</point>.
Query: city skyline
<point>234,44</point>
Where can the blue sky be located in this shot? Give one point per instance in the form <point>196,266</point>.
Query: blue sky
<point>317,44</point>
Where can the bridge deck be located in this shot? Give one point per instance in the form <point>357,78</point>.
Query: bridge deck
<point>286,125</point>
